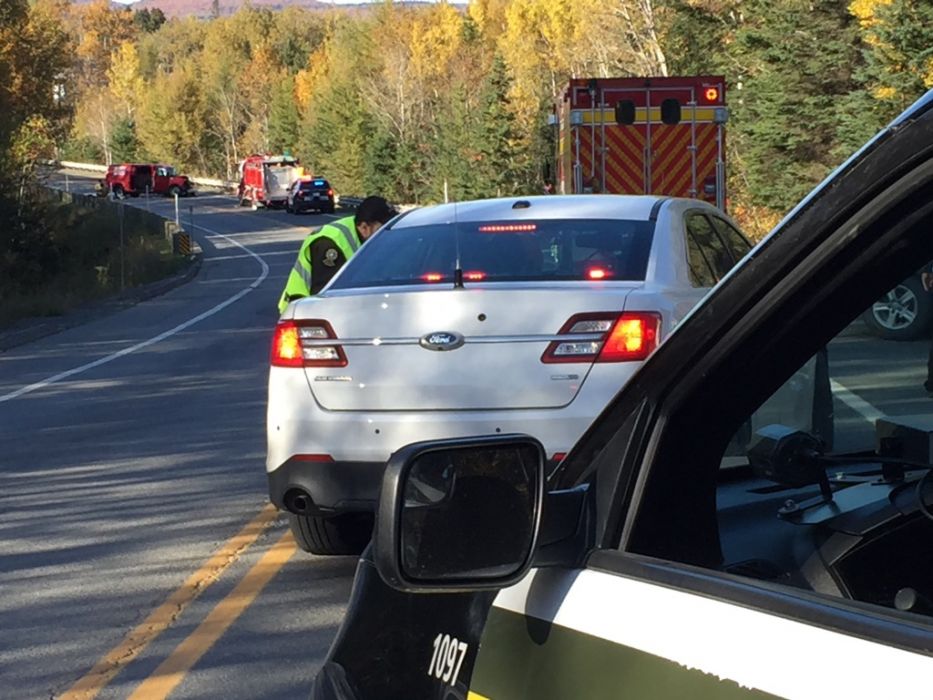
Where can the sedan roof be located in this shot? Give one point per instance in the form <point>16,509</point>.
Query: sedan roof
<point>601,206</point>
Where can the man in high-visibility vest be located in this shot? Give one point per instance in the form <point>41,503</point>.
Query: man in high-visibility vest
<point>326,250</point>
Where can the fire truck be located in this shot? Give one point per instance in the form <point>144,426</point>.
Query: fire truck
<point>265,179</point>
<point>643,136</point>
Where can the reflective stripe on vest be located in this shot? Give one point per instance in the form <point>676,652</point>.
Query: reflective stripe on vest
<point>302,272</point>
<point>351,238</point>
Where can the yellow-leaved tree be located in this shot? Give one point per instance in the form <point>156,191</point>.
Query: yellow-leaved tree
<point>125,80</point>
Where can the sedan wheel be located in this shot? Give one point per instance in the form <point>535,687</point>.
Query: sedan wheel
<point>903,313</point>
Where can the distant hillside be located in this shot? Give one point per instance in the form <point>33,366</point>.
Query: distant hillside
<point>202,8</point>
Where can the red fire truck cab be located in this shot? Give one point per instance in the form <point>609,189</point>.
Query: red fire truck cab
<point>265,179</point>
<point>643,136</point>
<point>133,179</point>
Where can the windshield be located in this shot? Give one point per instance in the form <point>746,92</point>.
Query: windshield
<point>565,249</point>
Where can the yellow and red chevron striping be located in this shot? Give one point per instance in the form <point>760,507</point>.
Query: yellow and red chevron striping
<point>671,160</point>
<point>624,171</point>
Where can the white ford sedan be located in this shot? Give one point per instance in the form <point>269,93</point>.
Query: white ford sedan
<point>497,316</point>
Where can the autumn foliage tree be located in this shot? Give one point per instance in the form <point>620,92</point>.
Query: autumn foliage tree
<point>34,56</point>
<point>422,101</point>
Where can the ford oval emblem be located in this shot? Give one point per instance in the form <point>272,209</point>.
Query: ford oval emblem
<point>442,340</point>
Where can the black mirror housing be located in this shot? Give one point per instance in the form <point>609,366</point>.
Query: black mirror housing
<point>461,514</point>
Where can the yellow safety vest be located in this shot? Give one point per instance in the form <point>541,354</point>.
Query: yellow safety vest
<point>343,235</point>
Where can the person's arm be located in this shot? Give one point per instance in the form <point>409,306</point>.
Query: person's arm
<point>326,259</point>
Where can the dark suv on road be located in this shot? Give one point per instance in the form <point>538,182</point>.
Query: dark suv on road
<point>310,194</point>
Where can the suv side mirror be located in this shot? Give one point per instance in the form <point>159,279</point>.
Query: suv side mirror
<point>460,514</point>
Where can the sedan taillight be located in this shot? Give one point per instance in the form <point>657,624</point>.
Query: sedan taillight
<point>299,344</point>
<point>606,337</point>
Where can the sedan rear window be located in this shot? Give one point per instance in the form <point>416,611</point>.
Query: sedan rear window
<point>569,249</point>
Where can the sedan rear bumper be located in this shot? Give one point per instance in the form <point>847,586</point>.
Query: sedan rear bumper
<point>312,205</point>
<point>332,487</point>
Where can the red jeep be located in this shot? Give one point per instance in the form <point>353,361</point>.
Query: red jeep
<point>132,179</point>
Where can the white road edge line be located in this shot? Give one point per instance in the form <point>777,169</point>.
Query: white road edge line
<point>240,257</point>
<point>159,338</point>
<point>855,402</point>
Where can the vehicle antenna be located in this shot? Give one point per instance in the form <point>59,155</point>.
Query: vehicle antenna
<point>458,268</point>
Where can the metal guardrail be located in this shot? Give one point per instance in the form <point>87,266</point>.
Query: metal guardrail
<point>348,201</point>
<point>93,167</point>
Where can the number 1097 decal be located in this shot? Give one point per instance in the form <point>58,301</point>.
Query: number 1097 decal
<point>447,658</point>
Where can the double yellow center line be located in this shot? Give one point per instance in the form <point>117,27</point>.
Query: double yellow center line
<point>171,672</point>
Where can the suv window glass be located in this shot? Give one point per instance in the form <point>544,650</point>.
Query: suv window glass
<point>871,540</point>
<point>571,249</point>
<point>734,240</point>
<point>711,245</point>
<point>824,485</point>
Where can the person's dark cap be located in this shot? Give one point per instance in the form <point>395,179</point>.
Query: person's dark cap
<point>374,209</point>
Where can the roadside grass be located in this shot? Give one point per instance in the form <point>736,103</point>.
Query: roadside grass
<point>78,257</point>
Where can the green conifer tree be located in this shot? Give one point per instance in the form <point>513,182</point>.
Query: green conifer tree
<point>798,60</point>
<point>284,122</point>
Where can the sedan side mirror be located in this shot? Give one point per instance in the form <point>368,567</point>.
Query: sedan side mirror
<point>460,514</point>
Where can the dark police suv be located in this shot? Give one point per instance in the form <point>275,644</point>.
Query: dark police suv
<point>659,561</point>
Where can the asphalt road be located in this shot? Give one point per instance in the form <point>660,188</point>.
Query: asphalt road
<point>138,556</point>
<point>120,480</point>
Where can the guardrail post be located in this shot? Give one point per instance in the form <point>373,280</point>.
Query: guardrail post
<point>121,205</point>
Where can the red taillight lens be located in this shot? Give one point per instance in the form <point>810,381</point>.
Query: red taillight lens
<point>606,337</point>
<point>474,275</point>
<point>432,276</point>
<point>633,337</point>
<point>297,344</point>
<point>286,346</point>
<point>330,193</point>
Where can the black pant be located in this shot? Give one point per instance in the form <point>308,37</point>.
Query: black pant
<point>928,384</point>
